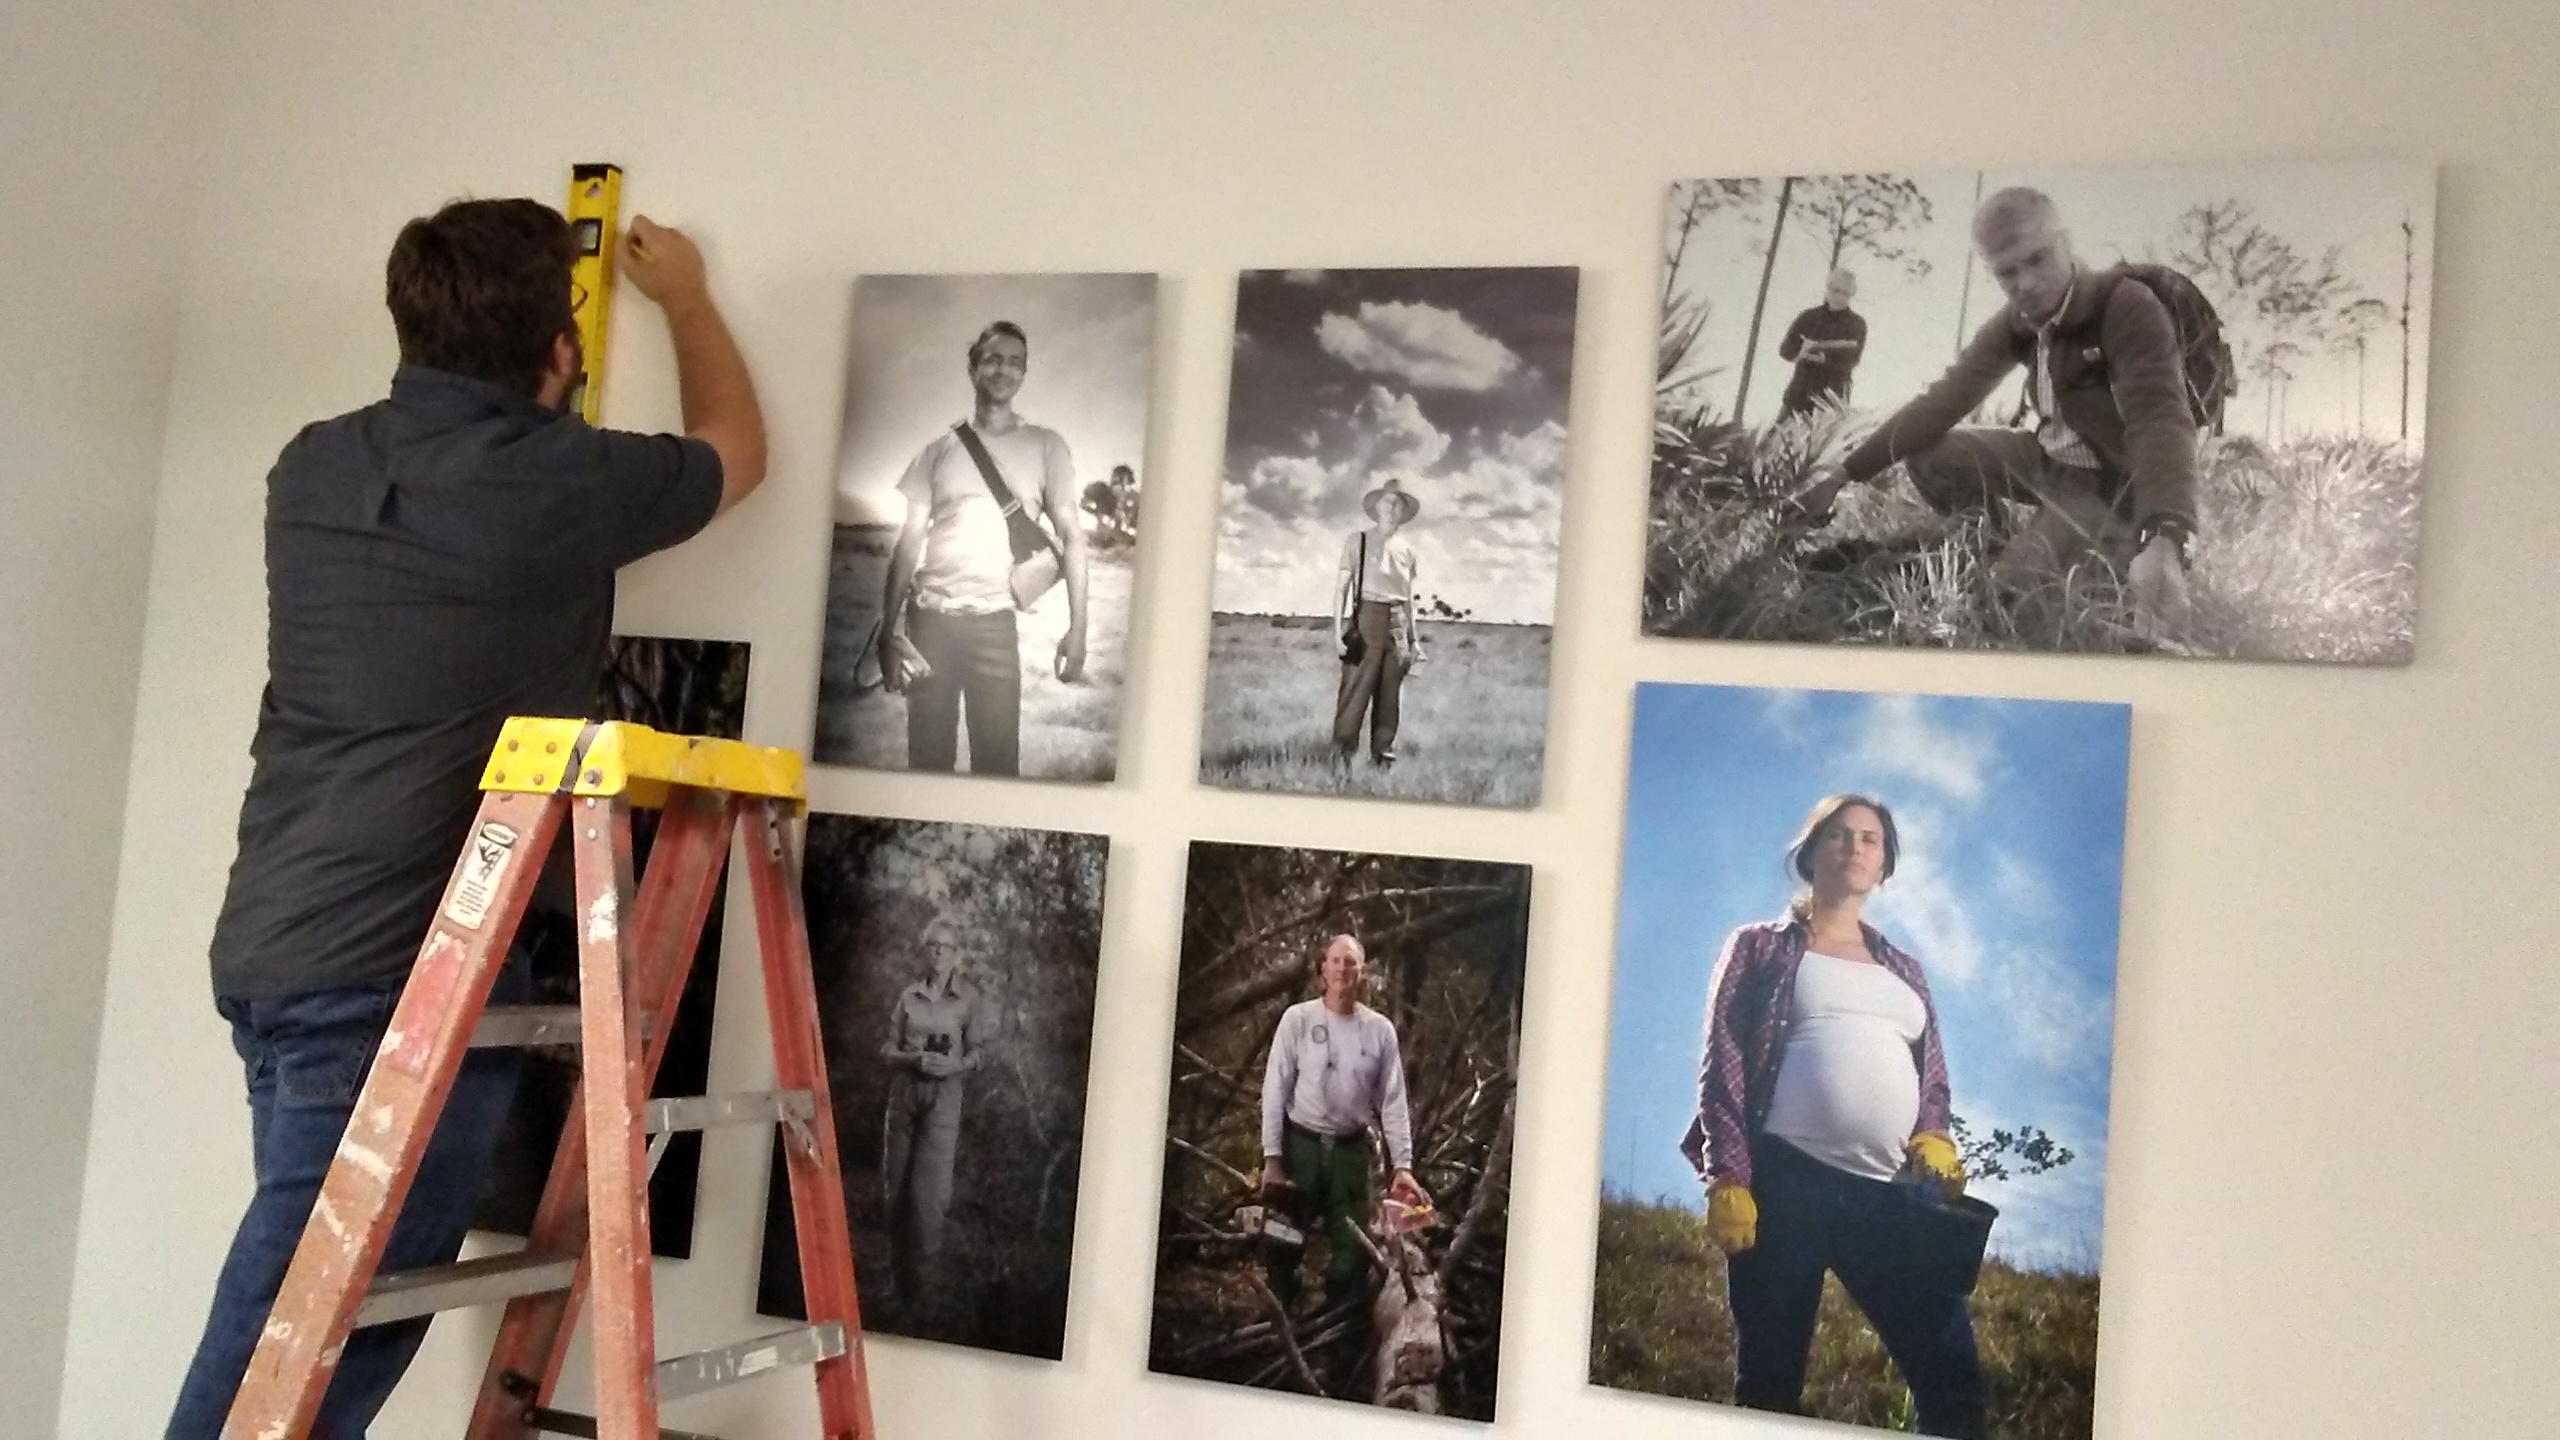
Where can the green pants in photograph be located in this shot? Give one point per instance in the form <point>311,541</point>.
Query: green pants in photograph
<point>1335,1178</point>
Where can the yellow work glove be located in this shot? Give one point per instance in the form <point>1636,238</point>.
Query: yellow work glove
<point>1934,1159</point>
<point>1733,1218</point>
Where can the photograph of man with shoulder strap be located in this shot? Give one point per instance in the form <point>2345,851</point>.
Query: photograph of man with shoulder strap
<point>978,604</point>
<point>960,570</point>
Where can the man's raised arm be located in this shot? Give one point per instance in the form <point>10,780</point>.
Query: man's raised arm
<point>718,397</point>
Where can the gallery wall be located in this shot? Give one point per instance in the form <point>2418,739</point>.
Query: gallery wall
<point>93,192</point>
<point>2333,1045</point>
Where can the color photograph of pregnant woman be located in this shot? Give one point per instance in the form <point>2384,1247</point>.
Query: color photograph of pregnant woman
<point>1859,1057</point>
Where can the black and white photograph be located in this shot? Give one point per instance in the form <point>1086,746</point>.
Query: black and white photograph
<point>955,969</point>
<point>1338,1136</point>
<point>1389,520</point>
<point>683,687</point>
<point>2151,411</point>
<point>988,471</point>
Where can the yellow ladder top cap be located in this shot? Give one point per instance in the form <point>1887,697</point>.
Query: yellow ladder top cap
<point>533,752</point>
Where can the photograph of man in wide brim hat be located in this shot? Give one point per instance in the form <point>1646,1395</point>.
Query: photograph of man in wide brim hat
<point>1376,636</point>
<point>1388,536</point>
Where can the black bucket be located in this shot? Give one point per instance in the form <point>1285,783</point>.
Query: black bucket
<point>1945,1238</point>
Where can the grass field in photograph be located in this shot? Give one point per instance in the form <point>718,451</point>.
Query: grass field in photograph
<point>1069,732</point>
<point>1659,1324</point>
<point>1474,725</point>
<point>2304,551</point>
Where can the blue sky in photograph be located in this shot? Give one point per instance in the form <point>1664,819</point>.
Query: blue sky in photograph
<point>2011,815</point>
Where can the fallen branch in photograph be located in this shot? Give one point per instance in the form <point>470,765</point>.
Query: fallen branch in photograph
<point>2305,551</point>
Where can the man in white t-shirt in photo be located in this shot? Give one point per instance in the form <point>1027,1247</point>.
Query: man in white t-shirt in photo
<point>1335,1073</point>
<point>948,597</point>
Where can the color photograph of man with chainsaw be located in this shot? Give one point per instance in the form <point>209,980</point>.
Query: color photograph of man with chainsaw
<point>1339,1132</point>
<point>2145,411</point>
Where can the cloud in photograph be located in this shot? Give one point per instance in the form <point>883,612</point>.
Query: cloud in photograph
<point>1486,539</point>
<point>1425,345</point>
<point>1900,738</point>
<point>1451,383</point>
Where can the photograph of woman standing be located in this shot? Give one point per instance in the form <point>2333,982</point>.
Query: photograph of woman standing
<point>955,969</point>
<point>938,1034</point>
<point>1375,635</point>
<point>1824,1088</point>
<point>1875,1193</point>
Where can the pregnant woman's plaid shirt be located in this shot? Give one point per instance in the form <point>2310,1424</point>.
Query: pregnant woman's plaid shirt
<point>1747,1020</point>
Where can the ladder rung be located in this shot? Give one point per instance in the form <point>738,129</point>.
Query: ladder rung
<point>711,1369</point>
<point>507,1026</point>
<point>569,1422</point>
<point>511,1025</point>
<point>408,1294</point>
<point>698,1112</point>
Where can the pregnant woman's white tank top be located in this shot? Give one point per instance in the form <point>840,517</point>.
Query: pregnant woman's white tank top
<point>1848,1087</point>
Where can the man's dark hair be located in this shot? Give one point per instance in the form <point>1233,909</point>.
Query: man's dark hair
<point>1000,327</point>
<point>481,288</point>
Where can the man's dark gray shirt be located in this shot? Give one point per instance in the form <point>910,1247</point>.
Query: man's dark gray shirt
<point>436,562</point>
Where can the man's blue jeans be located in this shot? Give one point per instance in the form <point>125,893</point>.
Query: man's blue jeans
<point>305,1058</point>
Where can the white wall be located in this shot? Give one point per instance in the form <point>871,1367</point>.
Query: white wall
<point>93,198</point>
<point>2332,1151</point>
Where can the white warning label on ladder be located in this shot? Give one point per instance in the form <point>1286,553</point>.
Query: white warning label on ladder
<point>477,886</point>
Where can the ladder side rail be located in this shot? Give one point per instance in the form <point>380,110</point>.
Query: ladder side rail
<point>800,1063</point>
<point>674,900</point>
<point>618,1260</point>
<point>394,1116</point>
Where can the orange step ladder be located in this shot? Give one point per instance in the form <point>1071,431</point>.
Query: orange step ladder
<point>592,1229</point>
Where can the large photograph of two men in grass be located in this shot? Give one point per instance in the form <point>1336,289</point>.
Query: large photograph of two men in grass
<point>1859,1057</point>
<point>2172,411</point>
<point>986,524</point>
<point>1392,504</point>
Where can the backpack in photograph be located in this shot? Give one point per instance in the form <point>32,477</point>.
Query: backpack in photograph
<point>2204,353</point>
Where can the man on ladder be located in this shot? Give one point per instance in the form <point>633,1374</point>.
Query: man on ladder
<point>436,562</point>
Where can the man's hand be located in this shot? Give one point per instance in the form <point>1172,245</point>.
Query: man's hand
<point>1273,1172</point>
<point>1070,666</point>
<point>2162,602</point>
<point>1810,507</point>
<point>1934,1160</point>
<point>1405,1190</point>
<point>937,1066</point>
<point>1733,1218</point>
<point>901,664</point>
<point>661,261</point>
<point>712,385</point>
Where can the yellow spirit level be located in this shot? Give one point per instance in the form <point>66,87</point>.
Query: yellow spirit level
<point>595,218</point>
